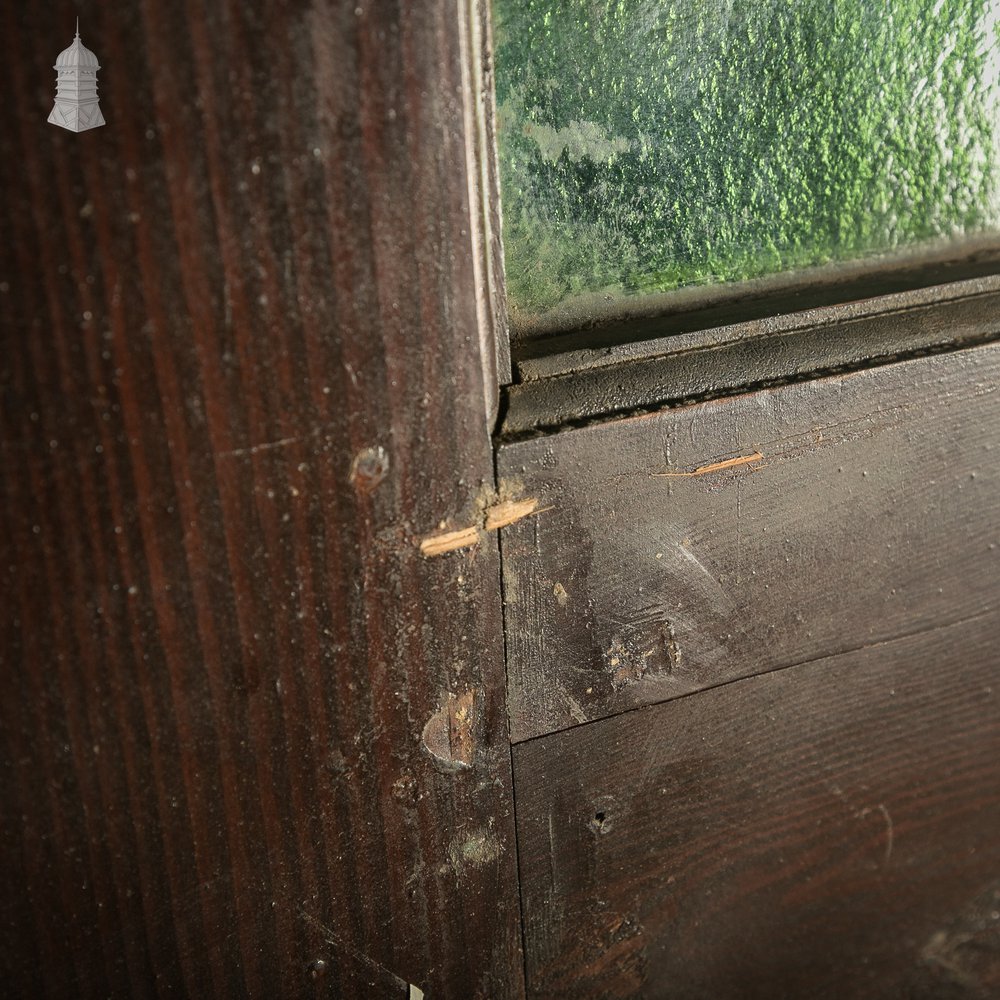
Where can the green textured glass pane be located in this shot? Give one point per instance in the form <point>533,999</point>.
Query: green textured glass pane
<point>647,145</point>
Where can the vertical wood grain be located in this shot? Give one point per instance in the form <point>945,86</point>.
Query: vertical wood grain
<point>241,377</point>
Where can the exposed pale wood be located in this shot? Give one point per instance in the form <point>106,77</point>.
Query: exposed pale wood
<point>827,831</point>
<point>507,512</point>
<point>706,470</point>
<point>241,377</point>
<point>497,515</point>
<point>450,541</point>
<point>875,513</point>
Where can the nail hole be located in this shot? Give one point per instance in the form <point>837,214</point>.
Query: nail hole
<point>601,823</point>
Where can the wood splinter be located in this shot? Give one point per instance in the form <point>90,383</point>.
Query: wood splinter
<point>704,470</point>
<point>496,516</point>
<point>449,541</point>
<point>499,515</point>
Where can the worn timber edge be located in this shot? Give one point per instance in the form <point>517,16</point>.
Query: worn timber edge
<point>590,387</point>
<point>481,104</point>
<point>593,322</point>
<point>703,332</point>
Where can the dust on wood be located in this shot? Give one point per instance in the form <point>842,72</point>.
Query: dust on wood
<point>704,470</point>
<point>477,849</point>
<point>964,956</point>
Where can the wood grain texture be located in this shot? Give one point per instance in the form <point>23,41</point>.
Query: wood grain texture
<point>873,513</point>
<point>497,336</point>
<point>825,831</point>
<point>241,377</point>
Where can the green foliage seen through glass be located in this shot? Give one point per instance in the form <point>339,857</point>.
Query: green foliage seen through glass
<point>647,145</point>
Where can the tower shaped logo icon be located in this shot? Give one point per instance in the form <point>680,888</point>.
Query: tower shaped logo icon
<point>77,106</point>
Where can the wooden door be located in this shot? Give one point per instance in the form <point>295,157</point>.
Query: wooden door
<point>752,675</point>
<point>274,521</point>
<point>253,741</point>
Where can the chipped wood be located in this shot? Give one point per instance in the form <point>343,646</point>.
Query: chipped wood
<point>500,514</point>
<point>449,734</point>
<point>449,541</point>
<point>704,470</point>
<point>508,511</point>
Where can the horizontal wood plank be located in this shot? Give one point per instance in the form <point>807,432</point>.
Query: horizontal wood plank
<point>825,831</point>
<point>675,551</point>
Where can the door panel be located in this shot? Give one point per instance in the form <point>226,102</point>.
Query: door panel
<point>826,831</point>
<point>676,551</point>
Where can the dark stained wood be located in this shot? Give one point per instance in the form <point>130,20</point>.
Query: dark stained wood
<point>595,324</point>
<point>590,385</point>
<point>826,831</point>
<point>872,514</point>
<point>934,314</point>
<point>242,375</point>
